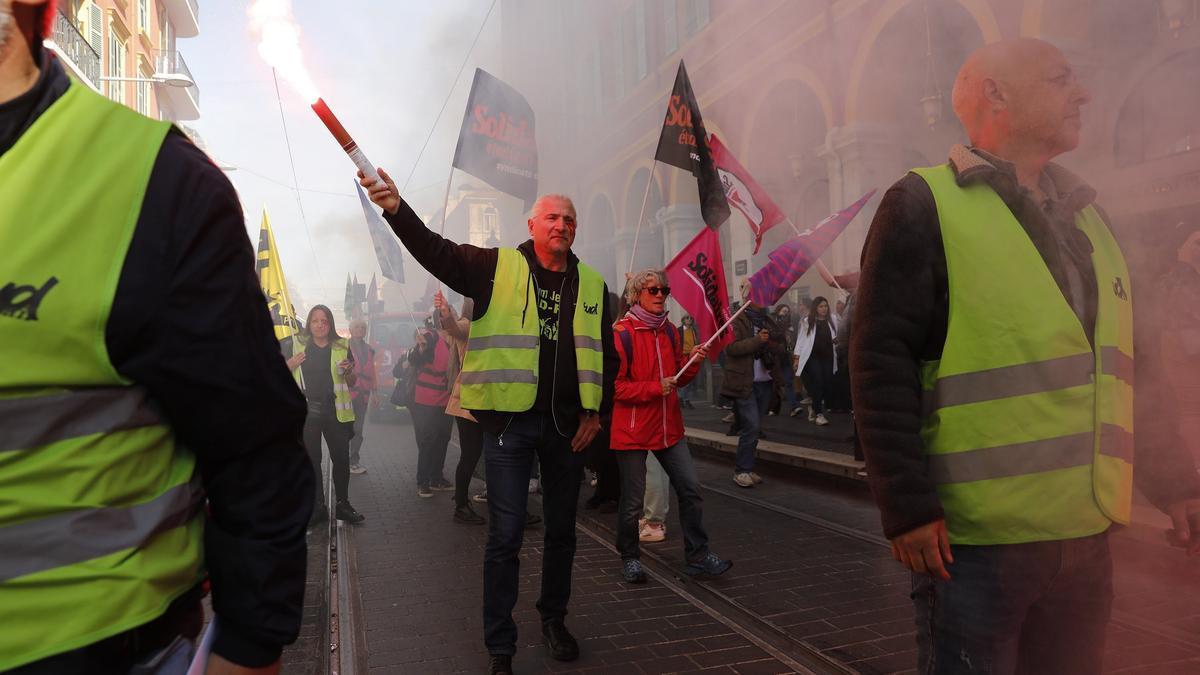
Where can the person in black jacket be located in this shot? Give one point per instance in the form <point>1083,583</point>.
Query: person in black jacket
<point>190,325</point>
<point>1019,102</point>
<point>557,427</point>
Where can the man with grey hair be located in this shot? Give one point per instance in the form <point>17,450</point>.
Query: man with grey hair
<point>364,386</point>
<point>999,436</point>
<point>538,376</point>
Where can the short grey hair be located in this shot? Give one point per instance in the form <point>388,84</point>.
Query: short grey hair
<point>552,197</point>
<point>633,287</point>
<point>358,323</point>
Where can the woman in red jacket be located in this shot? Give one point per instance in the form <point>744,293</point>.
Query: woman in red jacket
<point>646,418</point>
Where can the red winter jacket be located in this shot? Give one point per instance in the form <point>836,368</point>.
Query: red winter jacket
<point>643,419</point>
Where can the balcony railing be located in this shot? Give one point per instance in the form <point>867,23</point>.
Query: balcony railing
<point>74,46</point>
<point>171,62</point>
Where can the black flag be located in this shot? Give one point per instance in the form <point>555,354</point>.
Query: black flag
<point>684,143</point>
<point>497,142</point>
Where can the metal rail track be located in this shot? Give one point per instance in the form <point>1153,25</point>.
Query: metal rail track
<point>1120,618</point>
<point>798,655</point>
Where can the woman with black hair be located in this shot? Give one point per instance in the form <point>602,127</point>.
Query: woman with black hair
<point>325,371</point>
<point>817,360</point>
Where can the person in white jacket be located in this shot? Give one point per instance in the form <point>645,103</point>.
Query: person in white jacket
<point>817,359</point>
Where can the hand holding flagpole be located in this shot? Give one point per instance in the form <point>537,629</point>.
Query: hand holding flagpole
<point>711,339</point>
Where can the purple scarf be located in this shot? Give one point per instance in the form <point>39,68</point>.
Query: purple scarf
<point>654,321</point>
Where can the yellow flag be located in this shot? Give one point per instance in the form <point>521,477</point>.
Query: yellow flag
<point>270,278</point>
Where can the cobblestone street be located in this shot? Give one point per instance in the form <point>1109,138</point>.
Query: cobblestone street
<point>814,588</point>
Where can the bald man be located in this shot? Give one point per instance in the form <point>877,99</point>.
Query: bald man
<point>993,380</point>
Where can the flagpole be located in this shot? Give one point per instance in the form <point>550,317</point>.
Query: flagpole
<point>641,216</point>
<point>715,334</point>
<point>820,265</point>
<point>445,213</point>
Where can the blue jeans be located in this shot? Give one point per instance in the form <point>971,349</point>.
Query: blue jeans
<point>1040,607</point>
<point>676,461</point>
<point>508,459</point>
<point>750,413</point>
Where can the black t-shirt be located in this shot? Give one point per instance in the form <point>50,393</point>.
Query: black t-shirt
<point>550,288</point>
<point>318,376</point>
<point>318,380</point>
<point>823,344</point>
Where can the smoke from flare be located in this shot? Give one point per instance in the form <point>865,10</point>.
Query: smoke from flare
<point>279,43</point>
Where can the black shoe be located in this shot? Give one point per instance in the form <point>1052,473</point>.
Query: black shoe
<point>592,503</point>
<point>441,485</point>
<point>347,513</point>
<point>562,644</point>
<point>466,515</point>
<point>532,520</point>
<point>500,664</point>
<point>733,431</point>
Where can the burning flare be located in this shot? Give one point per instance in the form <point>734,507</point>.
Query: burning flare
<point>279,44</point>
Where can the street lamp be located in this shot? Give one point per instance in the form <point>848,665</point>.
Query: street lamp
<point>931,103</point>
<point>170,79</point>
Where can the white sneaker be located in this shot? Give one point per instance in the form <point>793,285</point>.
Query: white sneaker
<point>652,532</point>
<point>743,480</point>
<point>821,421</point>
<point>533,486</point>
<point>807,400</point>
<point>592,478</point>
<point>728,418</point>
<point>812,416</point>
<point>755,477</point>
<point>480,498</point>
<point>795,411</point>
<point>770,413</point>
<point>357,469</point>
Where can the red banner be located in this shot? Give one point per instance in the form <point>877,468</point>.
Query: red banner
<point>697,279</point>
<point>744,193</point>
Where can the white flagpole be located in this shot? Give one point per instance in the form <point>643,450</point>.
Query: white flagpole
<point>710,340</point>
<point>445,213</point>
<point>641,217</point>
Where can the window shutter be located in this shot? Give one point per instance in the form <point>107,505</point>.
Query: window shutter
<point>96,28</point>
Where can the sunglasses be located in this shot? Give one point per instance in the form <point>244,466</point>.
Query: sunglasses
<point>655,290</point>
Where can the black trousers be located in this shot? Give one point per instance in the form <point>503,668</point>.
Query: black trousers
<point>603,461</point>
<point>431,426</point>
<point>337,439</point>
<point>818,380</point>
<point>470,443</point>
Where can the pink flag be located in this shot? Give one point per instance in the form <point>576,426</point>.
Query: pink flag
<point>792,259</point>
<point>744,193</point>
<point>697,278</point>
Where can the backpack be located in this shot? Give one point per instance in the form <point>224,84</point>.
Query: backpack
<point>406,387</point>
<point>626,338</point>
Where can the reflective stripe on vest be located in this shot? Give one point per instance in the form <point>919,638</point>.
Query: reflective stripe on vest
<point>99,522</point>
<point>500,370</point>
<point>35,421</point>
<point>1028,427</point>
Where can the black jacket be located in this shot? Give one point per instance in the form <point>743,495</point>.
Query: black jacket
<point>471,270</point>
<point>189,323</point>
<point>901,314</point>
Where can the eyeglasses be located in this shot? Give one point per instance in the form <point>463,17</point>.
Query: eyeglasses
<point>655,290</point>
